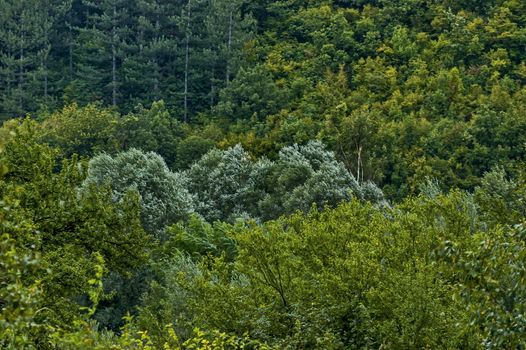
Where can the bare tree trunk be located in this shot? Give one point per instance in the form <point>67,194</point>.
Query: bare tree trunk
<point>70,47</point>
<point>21,65</point>
<point>21,60</point>
<point>113,76</point>
<point>9,77</point>
<point>359,171</point>
<point>156,67</point>
<point>229,47</point>
<point>156,79</point>
<point>187,49</point>
<point>45,81</point>
<point>44,64</point>
<point>114,60</point>
<point>71,59</point>
<point>212,87</point>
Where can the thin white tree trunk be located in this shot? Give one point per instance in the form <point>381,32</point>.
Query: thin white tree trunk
<point>359,171</point>
<point>70,47</point>
<point>21,65</point>
<point>114,60</point>
<point>187,50</point>
<point>156,67</point>
<point>229,46</point>
<point>44,64</point>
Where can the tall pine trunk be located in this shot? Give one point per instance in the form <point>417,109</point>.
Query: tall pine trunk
<point>229,45</point>
<point>44,63</point>
<point>21,65</point>
<point>114,59</point>
<point>70,44</point>
<point>156,66</point>
<point>187,50</point>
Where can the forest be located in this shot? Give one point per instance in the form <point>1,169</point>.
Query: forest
<point>274,174</point>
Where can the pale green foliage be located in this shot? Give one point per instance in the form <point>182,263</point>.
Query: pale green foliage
<point>228,184</point>
<point>163,195</point>
<point>303,175</point>
<point>430,188</point>
<point>222,182</point>
<point>164,200</point>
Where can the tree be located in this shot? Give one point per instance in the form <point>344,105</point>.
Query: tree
<point>71,231</point>
<point>352,276</point>
<point>307,175</point>
<point>150,57</point>
<point>223,185</point>
<point>101,39</point>
<point>152,129</point>
<point>252,93</point>
<point>84,131</point>
<point>24,55</point>
<point>164,200</point>
<point>163,195</point>
<point>500,198</point>
<point>18,298</point>
<point>227,30</point>
<point>229,185</point>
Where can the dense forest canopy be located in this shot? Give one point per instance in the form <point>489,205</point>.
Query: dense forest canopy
<point>289,174</point>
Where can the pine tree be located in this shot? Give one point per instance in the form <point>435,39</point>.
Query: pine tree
<point>150,55</point>
<point>188,35</point>
<point>194,57</point>
<point>228,28</point>
<point>24,55</point>
<point>100,51</point>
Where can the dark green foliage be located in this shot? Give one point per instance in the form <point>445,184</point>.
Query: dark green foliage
<point>252,95</point>
<point>71,231</point>
<point>152,130</point>
<point>84,131</point>
<point>26,34</point>
<point>210,174</point>
<point>119,53</point>
<point>191,149</point>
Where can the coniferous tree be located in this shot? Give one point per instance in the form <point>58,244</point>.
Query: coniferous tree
<point>100,51</point>
<point>24,55</point>
<point>150,57</point>
<point>227,30</point>
<point>197,58</point>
